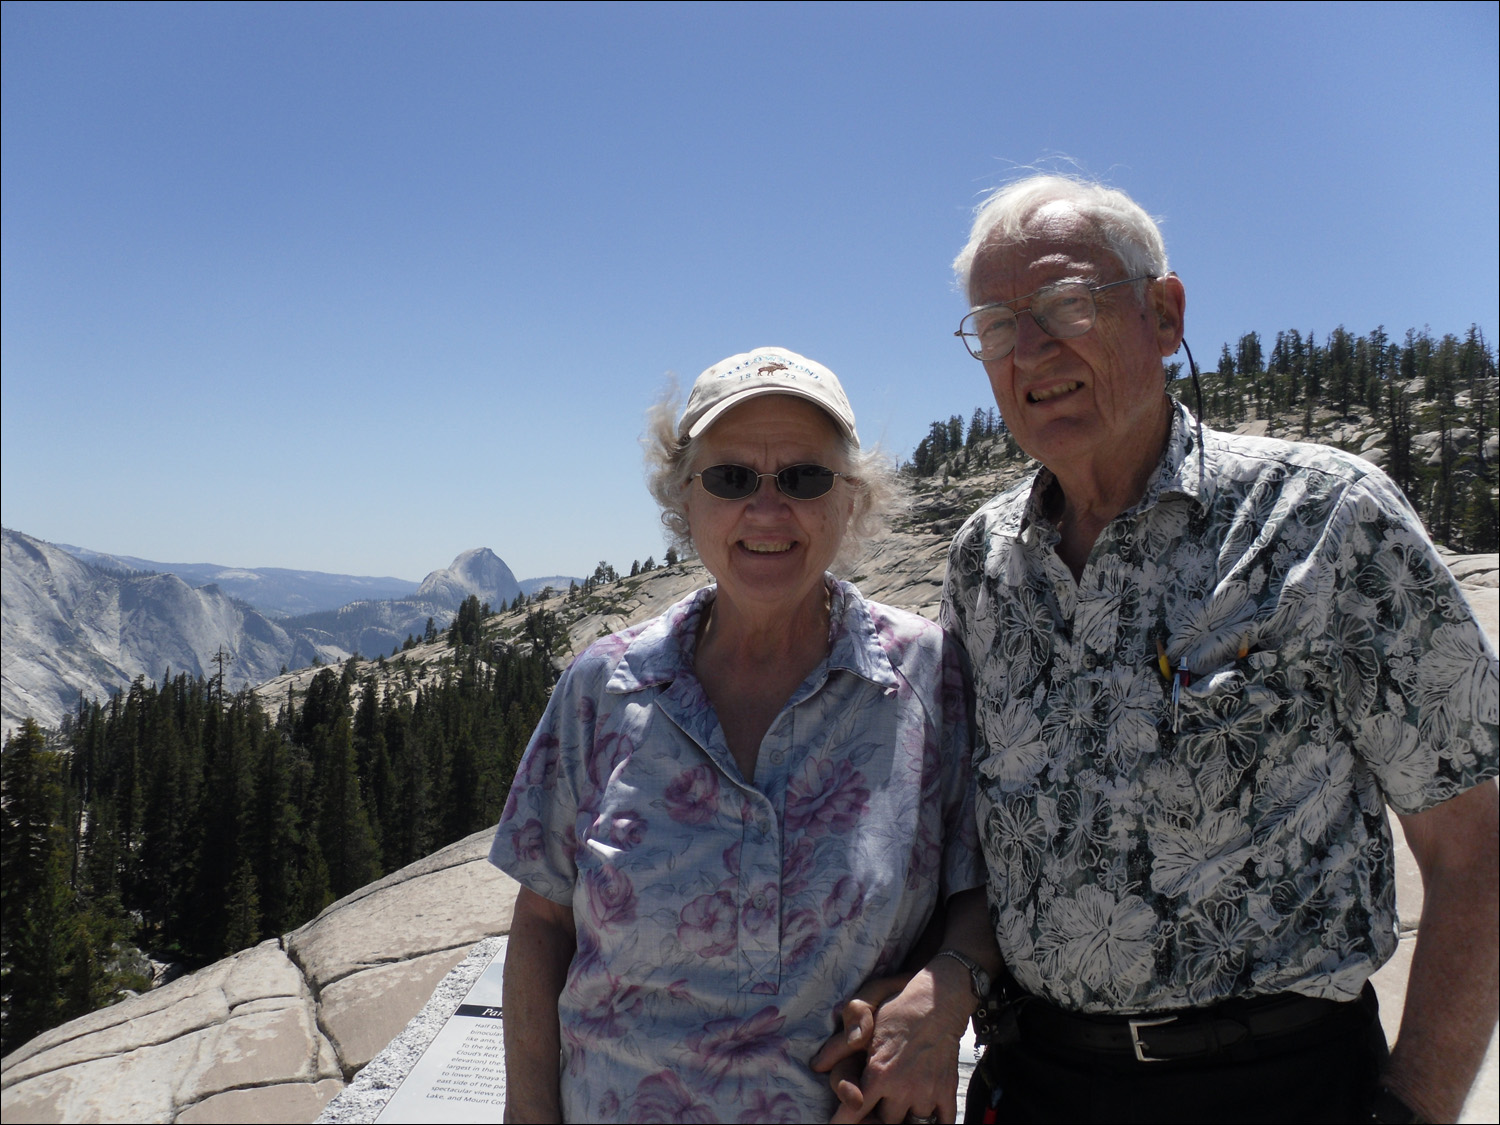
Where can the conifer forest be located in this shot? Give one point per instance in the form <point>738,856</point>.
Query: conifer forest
<point>187,822</point>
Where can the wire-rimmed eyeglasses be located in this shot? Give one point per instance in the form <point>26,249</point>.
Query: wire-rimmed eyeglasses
<point>1063,311</point>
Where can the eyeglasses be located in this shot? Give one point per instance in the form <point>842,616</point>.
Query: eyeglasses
<point>1063,311</point>
<point>736,482</point>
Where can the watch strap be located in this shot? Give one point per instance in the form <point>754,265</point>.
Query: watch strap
<point>979,980</point>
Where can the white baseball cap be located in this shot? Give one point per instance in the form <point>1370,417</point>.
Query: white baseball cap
<point>764,371</point>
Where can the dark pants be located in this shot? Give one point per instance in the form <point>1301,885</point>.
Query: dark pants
<point>1326,1073</point>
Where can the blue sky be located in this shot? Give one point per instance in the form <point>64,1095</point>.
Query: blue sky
<point>354,288</point>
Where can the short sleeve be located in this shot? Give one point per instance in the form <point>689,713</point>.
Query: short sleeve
<point>963,864</point>
<point>536,840</point>
<point>1415,677</point>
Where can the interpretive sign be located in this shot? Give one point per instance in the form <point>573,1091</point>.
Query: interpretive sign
<point>460,1077</point>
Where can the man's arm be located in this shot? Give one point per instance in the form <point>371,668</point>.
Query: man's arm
<point>542,943</point>
<point>1452,992</point>
<point>912,1039</point>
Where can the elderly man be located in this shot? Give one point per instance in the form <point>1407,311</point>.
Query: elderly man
<point>1204,664</point>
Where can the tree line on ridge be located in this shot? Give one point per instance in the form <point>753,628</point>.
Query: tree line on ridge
<point>1429,403</point>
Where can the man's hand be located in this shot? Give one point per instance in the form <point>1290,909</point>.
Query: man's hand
<point>911,1047</point>
<point>912,1052</point>
<point>908,1028</point>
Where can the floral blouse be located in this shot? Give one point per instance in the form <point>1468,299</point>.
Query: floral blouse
<point>1183,758</point>
<point>721,921</point>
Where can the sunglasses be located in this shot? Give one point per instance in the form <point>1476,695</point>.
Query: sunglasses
<point>737,482</point>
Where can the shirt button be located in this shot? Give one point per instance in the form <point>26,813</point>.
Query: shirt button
<point>758,901</point>
<point>777,756</point>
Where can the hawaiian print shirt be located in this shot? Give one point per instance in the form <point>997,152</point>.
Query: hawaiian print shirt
<point>1146,854</point>
<point>721,920</point>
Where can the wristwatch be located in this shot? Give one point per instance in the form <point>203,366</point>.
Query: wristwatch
<point>979,980</point>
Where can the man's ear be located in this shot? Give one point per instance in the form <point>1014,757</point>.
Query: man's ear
<point>1169,302</point>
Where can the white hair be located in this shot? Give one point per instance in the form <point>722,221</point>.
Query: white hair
<point>878,494</point>
<point>1123,227</point>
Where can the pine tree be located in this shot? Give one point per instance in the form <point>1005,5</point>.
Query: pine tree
<point>1341,369</point>
<point>377,777</point>
<point>34,891</point>
<point>53,959</point>
<point>274,837</point>
<point>1248,364</point>
<point>1482,396</point>
<point>243,923</point>
<point>976,432</point>
<point>406,830</point>
<point>345,837</point>
<point>1481,527</point>
<point>1314,368</point>
<point>1399,464</point>
<point>465,628</point>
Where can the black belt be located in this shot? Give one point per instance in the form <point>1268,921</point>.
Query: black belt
<point>1188,1033</point>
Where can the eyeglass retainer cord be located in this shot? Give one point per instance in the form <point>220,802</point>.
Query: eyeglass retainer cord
<point>1198,401</point>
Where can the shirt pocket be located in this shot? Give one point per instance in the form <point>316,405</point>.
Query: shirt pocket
<point>1222,719</point>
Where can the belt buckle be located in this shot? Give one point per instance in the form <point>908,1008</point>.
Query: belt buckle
<point>1135,1037</point>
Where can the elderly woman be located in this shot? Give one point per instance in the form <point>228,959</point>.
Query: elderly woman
<point>733,815</point>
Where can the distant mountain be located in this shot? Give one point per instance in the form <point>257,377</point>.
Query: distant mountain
<point>480,572</point>
<point>369,628</point>
<point>71,625</point>
<point>272,590</point>
<point>559,582</point>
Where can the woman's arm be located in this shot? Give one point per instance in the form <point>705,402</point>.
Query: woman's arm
<point>542,943</point>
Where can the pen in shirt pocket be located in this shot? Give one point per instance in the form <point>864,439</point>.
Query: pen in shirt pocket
<point>1183,676</point>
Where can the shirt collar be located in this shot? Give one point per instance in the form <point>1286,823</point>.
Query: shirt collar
<point>1176,475</point>
<point>1182,471</point>
<point>663,650</point>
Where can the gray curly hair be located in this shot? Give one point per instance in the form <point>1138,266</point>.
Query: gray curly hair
<point>879,496</point>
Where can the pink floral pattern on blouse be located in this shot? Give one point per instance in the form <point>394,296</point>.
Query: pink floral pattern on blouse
<point>722,920</point>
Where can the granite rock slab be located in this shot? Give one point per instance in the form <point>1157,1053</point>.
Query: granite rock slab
<point>271,1033</point>
<point>363,1012</point>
